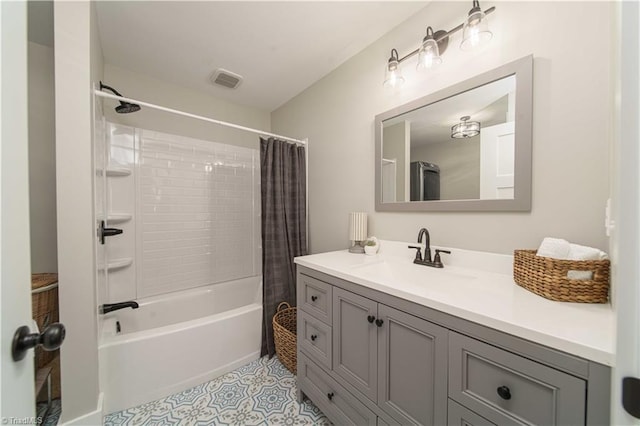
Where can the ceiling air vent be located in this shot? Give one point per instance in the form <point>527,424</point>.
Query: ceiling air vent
<point>225,78</point>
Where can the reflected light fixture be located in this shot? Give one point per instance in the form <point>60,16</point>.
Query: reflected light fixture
<point>429,54</point>
<point>393,76</point>
<point>465,128</point>
<point>476,29</point>
<point>475,32</point>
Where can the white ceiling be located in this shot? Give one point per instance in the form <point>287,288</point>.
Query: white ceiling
<point>280,48</point>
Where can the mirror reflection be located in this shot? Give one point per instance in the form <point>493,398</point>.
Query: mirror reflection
<point>459,148</point>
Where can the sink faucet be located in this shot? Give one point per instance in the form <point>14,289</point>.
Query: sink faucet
<point>110,307</point>
<point>427,244</point>
<point>436,262</point>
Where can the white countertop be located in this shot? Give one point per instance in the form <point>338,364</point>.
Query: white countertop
<point>478,287</point>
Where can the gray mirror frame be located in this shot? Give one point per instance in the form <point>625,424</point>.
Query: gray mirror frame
<point>523,69</point>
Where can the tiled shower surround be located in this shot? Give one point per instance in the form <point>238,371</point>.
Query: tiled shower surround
<point>196,212</point>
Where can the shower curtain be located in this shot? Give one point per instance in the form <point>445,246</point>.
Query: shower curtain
<point>284,227</point>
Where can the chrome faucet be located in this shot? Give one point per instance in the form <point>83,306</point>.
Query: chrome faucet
<point>436,262</point>
<point>110,307</point>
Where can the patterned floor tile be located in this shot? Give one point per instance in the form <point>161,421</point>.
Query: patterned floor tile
<point>262,392</point>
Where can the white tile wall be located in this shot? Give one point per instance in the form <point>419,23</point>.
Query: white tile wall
<point>198,213</point>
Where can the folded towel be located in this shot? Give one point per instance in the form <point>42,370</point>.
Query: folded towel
<point>558,248</point>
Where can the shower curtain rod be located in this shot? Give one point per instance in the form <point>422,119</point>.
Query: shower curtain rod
<point>197,117</point>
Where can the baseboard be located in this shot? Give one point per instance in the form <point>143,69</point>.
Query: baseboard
<point>89,419</point>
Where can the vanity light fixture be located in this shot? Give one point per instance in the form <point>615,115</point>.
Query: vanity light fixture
<point>476,29</point>
<point>475,32</point>
<point>393,76</point>
<point>429,53</point>
<point>465,129</point>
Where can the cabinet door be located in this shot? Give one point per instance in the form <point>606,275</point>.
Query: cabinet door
<point>460,416</point>
<point>412,368</point>
<point>355,357</point>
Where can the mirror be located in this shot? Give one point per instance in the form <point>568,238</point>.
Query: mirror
<point>464,148</point>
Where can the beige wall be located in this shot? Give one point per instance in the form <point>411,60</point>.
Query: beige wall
<point>459,162</point>
<point>148,89</point>
<point>42,160</point>
<point>571,127</point>
<point>78,64</point>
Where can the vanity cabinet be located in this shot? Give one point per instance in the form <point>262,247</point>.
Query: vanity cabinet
<point>367,357</point>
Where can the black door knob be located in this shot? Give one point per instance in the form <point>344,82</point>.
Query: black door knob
<point>314,298</point>
<point>23,340</point>
<point>314,337</point>
<point>504,392</point>
<point>379,322</point>
<point>330,396</point>
<point>370,318</point>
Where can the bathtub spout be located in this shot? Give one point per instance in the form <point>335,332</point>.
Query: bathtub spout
<point>110,307</point>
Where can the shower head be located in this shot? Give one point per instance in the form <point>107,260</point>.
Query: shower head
<point>124,107</point>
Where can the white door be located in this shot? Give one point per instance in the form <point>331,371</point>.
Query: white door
<point>17,386</point>
<point>497,156</point>
<point>389,178</point>
<point>625,235</point>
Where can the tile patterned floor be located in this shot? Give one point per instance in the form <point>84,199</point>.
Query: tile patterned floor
<point>260,393</point>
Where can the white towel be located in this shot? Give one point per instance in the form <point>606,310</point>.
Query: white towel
<point>558,248</point>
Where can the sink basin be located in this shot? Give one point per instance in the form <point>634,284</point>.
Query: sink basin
<point>407,273</point>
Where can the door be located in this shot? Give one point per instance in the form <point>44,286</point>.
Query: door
<point>17,381</point>
<point>497,161</point>
<point>412,368</point>
<point>625,232</point>
<point>355,357</point>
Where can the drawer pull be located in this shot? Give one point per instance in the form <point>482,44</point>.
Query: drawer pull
<point>370,318</point>
<point>379,322</point>
<point>330,396</point>
<point>504,392</point>
<point>314,298</point>
<point>314,337</point>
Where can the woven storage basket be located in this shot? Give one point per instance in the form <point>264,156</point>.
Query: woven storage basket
<point>547,277</point>
<point>284,335</point>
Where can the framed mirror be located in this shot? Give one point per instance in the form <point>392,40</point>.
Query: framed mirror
<point>463,148</point>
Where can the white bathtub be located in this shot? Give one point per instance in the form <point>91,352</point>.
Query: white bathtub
<point>176,341</point>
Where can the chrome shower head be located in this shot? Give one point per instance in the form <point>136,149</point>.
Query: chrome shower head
<point>124,107</point>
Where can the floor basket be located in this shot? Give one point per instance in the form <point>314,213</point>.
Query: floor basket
<point>284,335</point>
<point>547,277</point>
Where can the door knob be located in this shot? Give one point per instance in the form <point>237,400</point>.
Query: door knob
<point>371,318</point>
<point>379,322</point>
<point>504,392</point>
<point>23,340</point>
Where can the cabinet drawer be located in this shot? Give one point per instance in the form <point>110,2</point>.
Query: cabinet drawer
<point>315,338</point>
<point>314,297</point>
<point>331,398</point>
<point>457,415</point>
<point>509,389</point>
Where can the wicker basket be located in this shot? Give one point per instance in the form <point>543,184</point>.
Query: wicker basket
<point>547,277</point>
<point>284,335</point>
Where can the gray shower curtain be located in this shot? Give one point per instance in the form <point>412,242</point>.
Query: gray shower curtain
<point>284,227</point>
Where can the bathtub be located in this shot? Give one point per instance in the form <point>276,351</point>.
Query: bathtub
<point>176,341</point>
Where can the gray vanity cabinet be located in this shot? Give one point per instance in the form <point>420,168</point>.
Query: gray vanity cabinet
<point>355,347</point>
<point>395,359</point>
<point>367,357</point>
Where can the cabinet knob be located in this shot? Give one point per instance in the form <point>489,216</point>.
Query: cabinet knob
<point>330,396</point>
<point>314,337</point>
<point>504,392</point>
<point>314,298</point>
<point>379,322</point>
<point>370,318</point>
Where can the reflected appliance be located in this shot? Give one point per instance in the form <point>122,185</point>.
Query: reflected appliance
<point>425,181</point>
